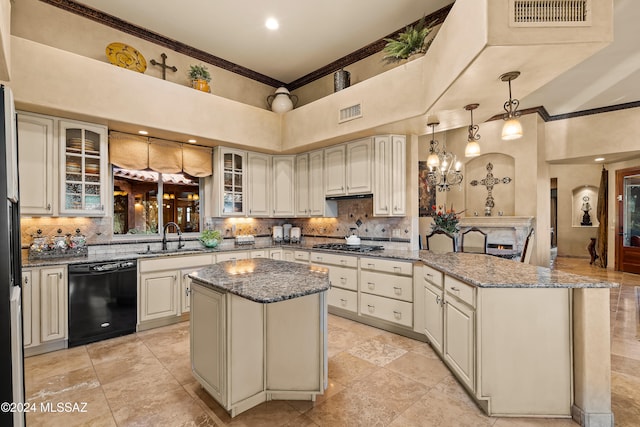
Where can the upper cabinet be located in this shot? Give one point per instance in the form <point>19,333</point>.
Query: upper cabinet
<point>73,166</point>
<point>283,186</point>
<point>83,168</point>
<point>36,151</point>
<point>389,171</point>
<point>229,169</point>
<point>347,168</point>
<point>258,188</point>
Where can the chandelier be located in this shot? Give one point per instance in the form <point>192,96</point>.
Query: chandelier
<point>444,169</point>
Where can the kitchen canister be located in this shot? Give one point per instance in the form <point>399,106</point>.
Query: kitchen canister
<point>341,80</point>
<point>286,230</point>
<point>277,233</point>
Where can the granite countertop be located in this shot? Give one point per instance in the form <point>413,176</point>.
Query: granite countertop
<point>264,280</point>
<point>485,271</point>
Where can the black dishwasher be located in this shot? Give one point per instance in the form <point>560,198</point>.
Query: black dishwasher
<point>102,301</point>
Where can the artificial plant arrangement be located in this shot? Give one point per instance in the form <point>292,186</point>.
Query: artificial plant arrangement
<point>445,219</point>
<point>409,42</point>
<point>200,77</point>
<point>210,238</point>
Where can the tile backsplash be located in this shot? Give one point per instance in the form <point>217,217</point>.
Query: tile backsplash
<point>352,213</point>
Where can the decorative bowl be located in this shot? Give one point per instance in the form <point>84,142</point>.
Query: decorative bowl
<point>210,243</point>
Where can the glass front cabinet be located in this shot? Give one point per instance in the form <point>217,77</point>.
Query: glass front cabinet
<point>83,168</point>
<point>229,177</point>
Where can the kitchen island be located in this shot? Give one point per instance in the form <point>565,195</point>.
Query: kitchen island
<point>259,331</point>
<point>524,340</point>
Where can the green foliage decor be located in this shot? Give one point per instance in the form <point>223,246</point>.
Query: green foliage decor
<point>199,72</point>
<point>445,219</point>
<point>408,42</point>
<point>210,238</point>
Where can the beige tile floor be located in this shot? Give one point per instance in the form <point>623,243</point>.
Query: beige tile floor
<point>376,379</point>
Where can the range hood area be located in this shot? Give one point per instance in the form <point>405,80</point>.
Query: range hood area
<point>54,81</point>
<point>350,197</point>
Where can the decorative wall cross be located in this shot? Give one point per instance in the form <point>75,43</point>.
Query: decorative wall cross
<point>164,66</point>
<point>489,181</point>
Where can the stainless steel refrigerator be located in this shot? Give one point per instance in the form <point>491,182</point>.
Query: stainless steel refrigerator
<point>11,363</point>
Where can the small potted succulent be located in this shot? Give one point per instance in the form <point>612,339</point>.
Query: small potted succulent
<point>210,238</point>
<point>408,43</point>
<point>200,77</point>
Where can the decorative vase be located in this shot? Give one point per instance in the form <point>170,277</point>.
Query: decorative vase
<point>200,84</point>
<point>282,101</point>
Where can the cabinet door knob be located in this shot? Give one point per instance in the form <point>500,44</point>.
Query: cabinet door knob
<point>26,281</point>
<point>60,275</point>
<point>454,289</point>
<point>372,308</point>
<point>398,290</point>
<point>438,299</point>
<point>48,206</point>
<point>397,314</point>
<point>371,285</point>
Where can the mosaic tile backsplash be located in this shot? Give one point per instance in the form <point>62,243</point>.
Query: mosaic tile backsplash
<point>352,214</point>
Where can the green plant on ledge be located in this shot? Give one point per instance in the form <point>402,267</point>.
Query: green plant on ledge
<point>199,72</point>
<point>409,42</point>
<point>210,238</point>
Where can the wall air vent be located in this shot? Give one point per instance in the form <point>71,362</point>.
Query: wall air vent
<point>350,113</point>
<point>550,13</point>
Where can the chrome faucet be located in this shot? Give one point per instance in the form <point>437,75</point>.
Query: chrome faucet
<point>164,235</point>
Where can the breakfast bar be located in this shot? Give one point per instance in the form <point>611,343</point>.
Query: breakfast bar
<point>259,331</point>
<point>524,340</point>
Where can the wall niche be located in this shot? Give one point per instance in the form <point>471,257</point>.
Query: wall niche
<point>584,201</point>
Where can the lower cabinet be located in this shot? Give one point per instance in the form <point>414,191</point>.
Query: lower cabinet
<point>459,339</point>
<point>44,305</point>
<point>386,290</point>
<point>244,353</point>
<point>343,275</point>
<point>164,287</point>
<point>433,307</point>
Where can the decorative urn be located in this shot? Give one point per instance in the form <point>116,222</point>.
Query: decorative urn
<point>282,101</point>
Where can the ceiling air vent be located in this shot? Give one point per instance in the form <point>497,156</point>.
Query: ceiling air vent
<point>350,113</point>
<point>550,13</point>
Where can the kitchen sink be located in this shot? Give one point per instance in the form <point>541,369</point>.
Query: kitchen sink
<point>170,251</point>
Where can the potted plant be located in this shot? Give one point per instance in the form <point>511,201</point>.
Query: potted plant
<point>409,42</point>
<point>200,77</point>
<point>210,238</point>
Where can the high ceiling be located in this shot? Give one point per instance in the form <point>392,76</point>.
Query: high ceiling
<point>314,34</point>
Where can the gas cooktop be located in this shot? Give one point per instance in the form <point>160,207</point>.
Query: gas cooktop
<point>348,248</point>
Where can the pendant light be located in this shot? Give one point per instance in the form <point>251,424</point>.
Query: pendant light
<point>473,148</point>
<point>433,161</point>
<point>512,129</point>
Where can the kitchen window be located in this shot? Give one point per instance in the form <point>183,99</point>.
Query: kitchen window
<point>144,200</point>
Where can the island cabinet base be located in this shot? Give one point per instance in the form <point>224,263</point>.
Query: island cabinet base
<point>244,353</point>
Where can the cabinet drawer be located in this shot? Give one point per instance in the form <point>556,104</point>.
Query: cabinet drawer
<point>461,290</point>
<point>334,259</point>
<point>387,266</point>
<point>392,310</point>
<point>432,275</point>
<point>231,256</point>
<point>346,278</point>
<point>301,255</point>
<point>174,262</point>
<point>261,253</point>
<point>346,300</point>
<point>387,285</point>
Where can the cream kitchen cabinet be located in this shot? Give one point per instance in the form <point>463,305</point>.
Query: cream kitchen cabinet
<point>459,329</point>
<point>389,175</point>
<point>44,304</point>
<point>232,256</point>
<point>275,254</point>
<point>309,187</point>
<point>294,255</point>
<point>229,176</point>
<point>343,275</point>
<point>283,202</point>
<point>348,168</point>
<point>83,168</point>
<point>37,164</point>
<point>386,290</point>
<point>432,303</point>
<point>164,288</point>
<point>258,188</point>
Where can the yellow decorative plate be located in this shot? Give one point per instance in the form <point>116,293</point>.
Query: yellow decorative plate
<point>125,56</point>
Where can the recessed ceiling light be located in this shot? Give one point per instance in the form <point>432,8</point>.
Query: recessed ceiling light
<point>143,132</point>
<point>272,23</point>
<point>599,159</point>
<point>191,140</point>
